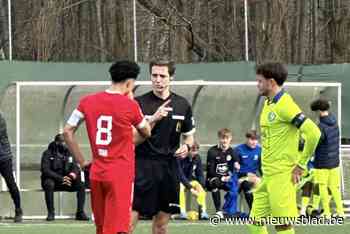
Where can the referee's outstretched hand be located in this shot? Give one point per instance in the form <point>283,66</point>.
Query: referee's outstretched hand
<point>162,111</point>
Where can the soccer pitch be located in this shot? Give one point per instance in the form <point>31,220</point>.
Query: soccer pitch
<point>144,227</point>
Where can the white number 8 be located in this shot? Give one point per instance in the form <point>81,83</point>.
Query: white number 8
<point>107,130</point>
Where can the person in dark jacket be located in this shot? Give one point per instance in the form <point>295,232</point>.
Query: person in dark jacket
<point>6,169</point>
<point>59,172</point>
<point>326,160</point>
<point>222,163</point>
<point>192,179</point>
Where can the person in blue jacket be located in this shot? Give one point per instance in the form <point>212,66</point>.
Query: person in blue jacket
<point>249,155</point>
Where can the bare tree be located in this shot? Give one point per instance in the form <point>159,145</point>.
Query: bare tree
<point>100,30</point>
<point>292,31</point>
<point>3,28</point>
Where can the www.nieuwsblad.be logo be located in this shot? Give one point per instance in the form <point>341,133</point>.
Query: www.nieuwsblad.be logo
<point>216,220</point>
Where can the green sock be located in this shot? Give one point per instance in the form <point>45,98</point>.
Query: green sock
<point>337,199</point>
<point>316,201</point>
<point>325,199</point>
<point>289,231</point>
<point>304,203</point>
<point>255,229</point>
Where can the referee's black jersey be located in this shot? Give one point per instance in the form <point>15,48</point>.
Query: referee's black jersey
<point>165,138</point>
<point>219,162</point>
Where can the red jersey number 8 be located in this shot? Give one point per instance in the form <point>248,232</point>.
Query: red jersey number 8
<point>104,129</point>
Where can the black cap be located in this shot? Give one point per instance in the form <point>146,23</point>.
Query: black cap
<point>59,138</point>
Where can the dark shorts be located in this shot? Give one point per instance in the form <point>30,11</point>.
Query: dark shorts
<point>157,187</point>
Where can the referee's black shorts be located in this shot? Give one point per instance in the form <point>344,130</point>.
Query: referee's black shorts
<point>156,187</point>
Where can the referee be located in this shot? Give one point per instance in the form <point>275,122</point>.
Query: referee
<point>156,191</point>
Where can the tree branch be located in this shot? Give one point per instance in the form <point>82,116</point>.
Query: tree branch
<point>198,45</point>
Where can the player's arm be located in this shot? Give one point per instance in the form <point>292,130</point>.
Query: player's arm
<point>185,148</point>
<point>141,132</point>
<point>188,129</point>
<point>75,168</point>
<point>161,112</point>
<point>311,134</point>
<point>68,133</point>
<point>291,113</point>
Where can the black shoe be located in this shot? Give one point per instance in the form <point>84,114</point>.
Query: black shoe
<point>18,215</point>
<point>316,213</point>
<point>50,217</point>
<point>81,216</point>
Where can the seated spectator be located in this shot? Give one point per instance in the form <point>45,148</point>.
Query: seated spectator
<point>249,155</point>
<point>222,162</point>
<point>192,179</point>
<point>59,172</point>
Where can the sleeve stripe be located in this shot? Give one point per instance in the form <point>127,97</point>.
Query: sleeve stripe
<point>142,124</point>
<point>191,132</point>
<point>298,120</point>
<point>75,117</point>
<point>81,115</point>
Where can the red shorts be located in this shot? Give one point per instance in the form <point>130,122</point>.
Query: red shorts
<point>111,204</point>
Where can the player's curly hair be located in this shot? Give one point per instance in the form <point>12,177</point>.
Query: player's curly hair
<point>123,70</point>
<point>320,104</point>
<point>272,70</point>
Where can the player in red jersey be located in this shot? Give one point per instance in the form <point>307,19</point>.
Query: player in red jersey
<point>110,117</point>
